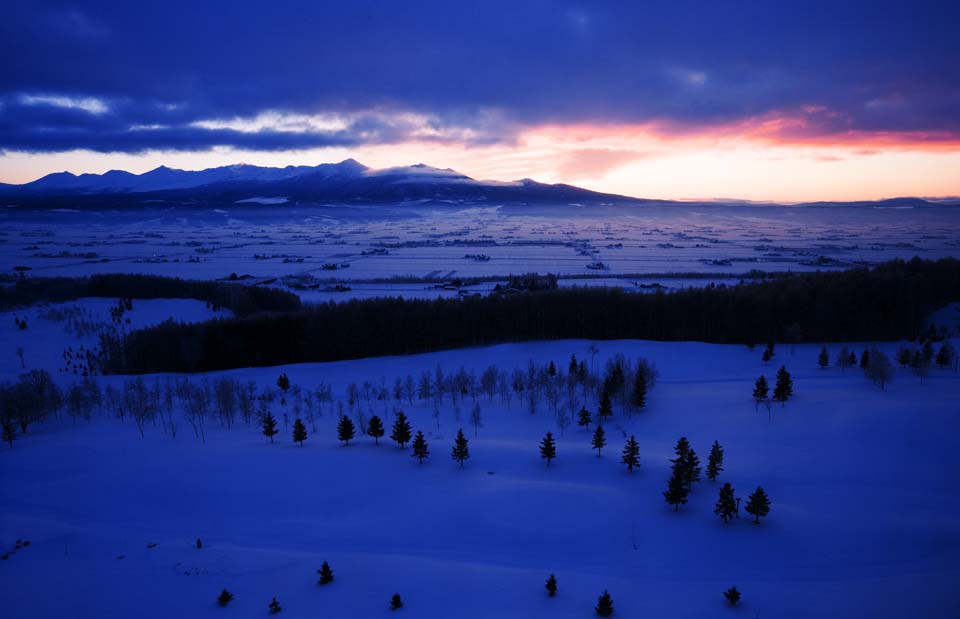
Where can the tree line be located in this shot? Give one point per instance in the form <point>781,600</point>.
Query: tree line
<point>886,302</point>
<point>241,299</point>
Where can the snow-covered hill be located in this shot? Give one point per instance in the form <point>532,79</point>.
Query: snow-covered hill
<point>862,481</point>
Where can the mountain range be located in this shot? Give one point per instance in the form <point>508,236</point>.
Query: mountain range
<point>346,182</point>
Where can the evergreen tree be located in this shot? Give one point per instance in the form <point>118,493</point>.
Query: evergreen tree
<point>420,448</point>
<point>758,504</point>
<point>299,432</point>
<point>732,595</point>
<point>9,431</point>
<point>283,382</point>
<point>692,468</point>
<point>760,391</point>
<point>715,461</point>
<point>326,574</point>
<point>726,505</point>
<point>401,430</point>
<point>461,452</point>
<point>604,607</point>
<point>548,448</point>
<point>783,390</point>
<point>903,356</point>
<point>824,359</point>
<point>345,430</point>
<point>638,398</point>
<point>865,359</point>
<point>946,355</point>
<point>852,360</point>
<point>584,418</point>
<point>551,585</point>
<point>768,352</point>
<point>375,429</point>
<point>599,440</point>
<point>677,491</point>
<point>274,606</point>
<point>224,598</point>
<point>928,351</point>
<point>395,602</point>
<point>269,426</point>
<point>687,463</point>
<point>574,368</point>
<point>606,407</point>
<point>631,454</point>
<point>552,370</point>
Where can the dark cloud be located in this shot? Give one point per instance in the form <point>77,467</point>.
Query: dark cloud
<point>483,68</point>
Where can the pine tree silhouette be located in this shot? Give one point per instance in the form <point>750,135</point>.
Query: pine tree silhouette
<point>375,429</point>
<point>461,452</point>
<point>715,461</point>
<point>401,430</point>
<point>283,382</point>
<point>269,426</point>
<point>9,432</point>
<point>326,574</point>
<point>783,390</point>
<point>760,390</point>
<point>584,418</point>
<point>345,430</point>
<point>299,432</point>
<point>606,407</point>
<point>631,454</point>
<point>676,493</point>
<point>420,448</point>
<point>604,607</point>
<point>758,504</point>
<point>551,585</point>
<point>726,505</point>
<point>824,359</point>
<point>599,440</point>
<point>548,448</point>
<point>638,398</point>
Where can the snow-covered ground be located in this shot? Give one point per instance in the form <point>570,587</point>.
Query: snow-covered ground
<point>863,484</point>
<point>266,242</point>
<point>54,327</point>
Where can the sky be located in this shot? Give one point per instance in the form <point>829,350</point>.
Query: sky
<point>787,101</point>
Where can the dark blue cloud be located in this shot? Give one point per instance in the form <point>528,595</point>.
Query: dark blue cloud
<point>489,66</point>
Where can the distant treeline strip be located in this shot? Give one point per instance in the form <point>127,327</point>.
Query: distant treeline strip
<point>887,302</point>
<point>241,299</point>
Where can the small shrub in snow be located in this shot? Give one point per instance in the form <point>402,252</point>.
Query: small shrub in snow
<point>274,606</point>
<point>224,598</point>
<point>395,602</point>
<point>732,595</point>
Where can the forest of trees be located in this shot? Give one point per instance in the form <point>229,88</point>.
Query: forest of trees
<point>241,299</point>
<point>887,302</point>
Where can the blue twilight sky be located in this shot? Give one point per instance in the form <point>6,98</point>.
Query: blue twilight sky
<point>597,93</point>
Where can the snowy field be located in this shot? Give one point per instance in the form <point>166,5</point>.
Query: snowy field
<point>372,243</point>
<point>863,484</point>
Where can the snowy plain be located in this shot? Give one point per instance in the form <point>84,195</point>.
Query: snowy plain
<point>862,482</point>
